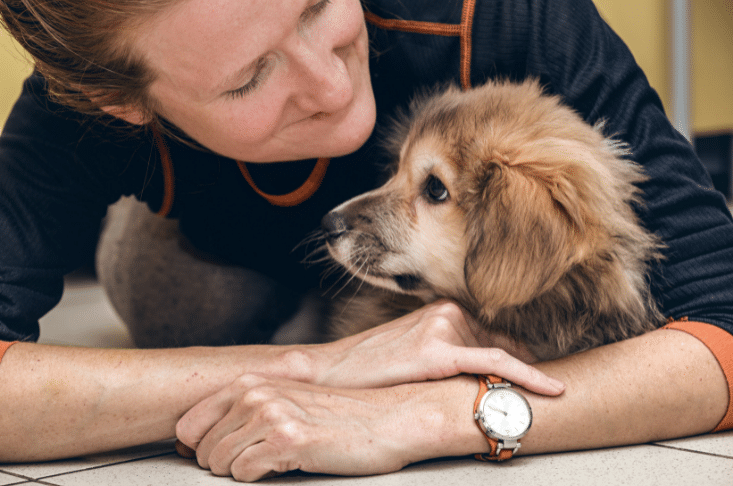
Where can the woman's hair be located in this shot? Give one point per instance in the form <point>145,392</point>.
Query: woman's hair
<point>83,49</point>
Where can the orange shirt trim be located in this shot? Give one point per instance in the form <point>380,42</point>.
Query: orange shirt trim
<point>4,345</point>
<point>720,343</point>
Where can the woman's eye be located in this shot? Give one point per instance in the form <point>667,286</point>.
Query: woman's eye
<point>314,10</point>
<point>254,83</point>
<point>435,190</point>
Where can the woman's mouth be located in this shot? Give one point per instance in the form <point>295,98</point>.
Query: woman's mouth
<point>320,116</point>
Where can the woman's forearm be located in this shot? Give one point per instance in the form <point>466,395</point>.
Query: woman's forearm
<point>665,384</point>
<point>662,385</point>
<point>64,401</point>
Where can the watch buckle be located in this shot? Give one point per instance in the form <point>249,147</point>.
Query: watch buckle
<point>507,444</point>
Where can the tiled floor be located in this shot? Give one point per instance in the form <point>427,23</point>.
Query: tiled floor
<point>706,460</point>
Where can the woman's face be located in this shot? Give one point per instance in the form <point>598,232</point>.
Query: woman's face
<point>264,80</point>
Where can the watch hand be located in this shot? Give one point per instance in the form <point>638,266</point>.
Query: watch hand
<point>497,410</point>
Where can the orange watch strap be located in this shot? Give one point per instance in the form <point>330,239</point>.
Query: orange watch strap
<point>492,456</point>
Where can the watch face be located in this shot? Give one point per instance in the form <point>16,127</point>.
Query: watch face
<point>506,413</point>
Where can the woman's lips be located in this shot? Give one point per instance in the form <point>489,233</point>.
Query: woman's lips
<point>320,116</point>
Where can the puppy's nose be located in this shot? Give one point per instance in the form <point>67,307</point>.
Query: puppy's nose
<point>334,224</point>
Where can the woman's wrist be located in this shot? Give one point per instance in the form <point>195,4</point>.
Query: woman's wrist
<point>441,419</point>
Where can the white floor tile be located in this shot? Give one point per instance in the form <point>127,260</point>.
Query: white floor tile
<point>160,471</point>
<point>6,479</point>
<point>647,465</point>
<point>720,444</point>
<point>84,317</point>
<point>49,469</point>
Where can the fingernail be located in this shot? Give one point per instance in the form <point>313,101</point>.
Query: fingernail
<point>557,384</point>
<point>184,451</point>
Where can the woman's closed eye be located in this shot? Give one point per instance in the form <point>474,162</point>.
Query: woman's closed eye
<point>314,10</point>
<point>261,71</point>
<point>264,64</point>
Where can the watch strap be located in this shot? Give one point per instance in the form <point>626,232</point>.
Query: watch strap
<point>491,456</point>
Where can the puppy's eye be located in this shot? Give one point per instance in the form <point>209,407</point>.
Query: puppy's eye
<point>435,190</point>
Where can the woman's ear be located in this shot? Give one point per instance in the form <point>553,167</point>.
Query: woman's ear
<point>106,102</point>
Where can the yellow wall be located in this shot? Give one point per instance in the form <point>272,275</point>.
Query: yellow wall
<point>15,66</point>
<point>712,65</point>
<point>643,24</point>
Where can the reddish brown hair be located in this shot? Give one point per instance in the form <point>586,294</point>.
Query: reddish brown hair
<point>83,49</point>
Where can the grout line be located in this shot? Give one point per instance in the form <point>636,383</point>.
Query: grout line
<point>103,466</point>
<point>692,451</point>
<point>16,475</point>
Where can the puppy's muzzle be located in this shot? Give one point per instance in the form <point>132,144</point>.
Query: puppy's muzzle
<point>334,225</point>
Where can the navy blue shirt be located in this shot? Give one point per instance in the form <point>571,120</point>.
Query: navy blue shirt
<point>60,170</point>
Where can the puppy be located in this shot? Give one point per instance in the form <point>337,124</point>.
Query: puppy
<point>504,200</point>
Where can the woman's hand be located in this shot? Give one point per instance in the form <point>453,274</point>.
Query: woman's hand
<point>261,426</point>
<point>432,343</point>
<point>377,401</point>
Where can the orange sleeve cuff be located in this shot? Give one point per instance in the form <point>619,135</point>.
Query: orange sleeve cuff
<point>720,343</point>
<point>4,345</point>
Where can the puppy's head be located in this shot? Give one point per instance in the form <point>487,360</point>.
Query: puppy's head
<point>498,193</point>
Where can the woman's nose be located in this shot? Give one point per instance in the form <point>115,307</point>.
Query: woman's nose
<point>325,82</point>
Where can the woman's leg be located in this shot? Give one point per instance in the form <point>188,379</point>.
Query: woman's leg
<point>170,296</point>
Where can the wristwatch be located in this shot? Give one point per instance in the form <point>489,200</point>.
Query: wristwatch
<point>503,415</point>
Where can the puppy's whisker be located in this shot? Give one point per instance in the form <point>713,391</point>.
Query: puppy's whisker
<point>314,245</point>
<point>356,292</point>
<point>353,276</point>
<point>334,268</point>
<point>361,284</point>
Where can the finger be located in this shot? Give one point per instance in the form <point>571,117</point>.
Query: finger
<point>257,410</point>
<point>259,461</point>
<point>498,362</point>
<point>225,451</point>
<point>222,443</point>
<point>200,419</point>
<point>241,427</point>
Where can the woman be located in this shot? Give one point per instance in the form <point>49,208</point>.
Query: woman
<point>265,81</point>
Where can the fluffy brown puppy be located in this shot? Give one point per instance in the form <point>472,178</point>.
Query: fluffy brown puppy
<point>504,200</point>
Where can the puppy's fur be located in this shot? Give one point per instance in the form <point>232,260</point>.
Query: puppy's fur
<point>507,202</point>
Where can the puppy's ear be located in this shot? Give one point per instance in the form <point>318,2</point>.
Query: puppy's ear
<point>519,245</point>
<point>575,179</point>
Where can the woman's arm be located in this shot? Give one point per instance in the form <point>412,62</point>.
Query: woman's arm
<point>63,401</point>
<point>662,385</point>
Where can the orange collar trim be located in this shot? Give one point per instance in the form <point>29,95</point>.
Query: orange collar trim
<point>464,30</point>
<point>311,185</point>
<point>301,194</point>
